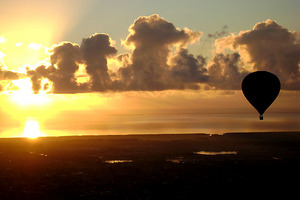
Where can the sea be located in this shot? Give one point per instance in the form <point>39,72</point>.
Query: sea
<point>163,124</point>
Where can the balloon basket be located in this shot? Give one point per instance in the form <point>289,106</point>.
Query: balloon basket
<point>261,117</point>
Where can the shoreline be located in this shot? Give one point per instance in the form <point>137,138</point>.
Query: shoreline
<point>158,134</point>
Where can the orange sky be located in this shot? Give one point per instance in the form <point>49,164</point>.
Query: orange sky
<point>193,70</point>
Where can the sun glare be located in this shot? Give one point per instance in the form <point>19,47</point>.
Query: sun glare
<point>32,129</point>
<point>25,96</point>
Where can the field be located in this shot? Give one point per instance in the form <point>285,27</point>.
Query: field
<point>191,166</point>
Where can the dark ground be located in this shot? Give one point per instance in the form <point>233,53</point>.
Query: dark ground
<point>266,165</point>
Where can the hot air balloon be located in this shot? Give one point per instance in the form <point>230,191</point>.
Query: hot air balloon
<point>261,88</point>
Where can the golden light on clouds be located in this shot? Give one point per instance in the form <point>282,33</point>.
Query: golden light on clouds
<point>64,85</point>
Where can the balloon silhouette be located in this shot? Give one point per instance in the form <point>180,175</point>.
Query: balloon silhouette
<point>261,89</point>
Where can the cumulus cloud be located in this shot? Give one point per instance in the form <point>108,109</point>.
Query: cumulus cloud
<point>151,66</point>
<point>65,60</point>
<point>10,75</point>
<point>225,72</point>
<point>152,38</point>
<point>268,47</point>
<point>160,60</point>
<point>7,76</point>
<point>188,70</point>
<point>95,50</point>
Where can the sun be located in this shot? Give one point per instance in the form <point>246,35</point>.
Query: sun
<point>32,129</point>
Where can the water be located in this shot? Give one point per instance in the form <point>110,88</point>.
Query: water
<point>168,124</point>
<point>188,123</point>
<point>215,153</point>
<point>118,161</point>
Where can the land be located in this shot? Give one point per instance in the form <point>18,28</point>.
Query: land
<point>181,166</point>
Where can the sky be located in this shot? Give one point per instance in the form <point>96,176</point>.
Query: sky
<point>121,67</point>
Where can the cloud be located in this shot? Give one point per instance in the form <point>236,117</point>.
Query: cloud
<point>218,34</point>
<point>187,70</point>
<point>150,67</point>
<point>152,39</point>
<point>95,50</point>
<point>160,60</point>
<point>225,72</point>
<point>268,47</point>
<point>7,76</point>
<point>65,59</point>
<point>158,32</point>
<point>10,75</point>
<point>33,46</point>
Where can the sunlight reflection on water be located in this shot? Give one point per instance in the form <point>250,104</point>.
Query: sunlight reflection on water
<point>118,161</point>
<point>215,153</point>
<point>185,123</point>
<point>167,124</point>
<point>175,160</point>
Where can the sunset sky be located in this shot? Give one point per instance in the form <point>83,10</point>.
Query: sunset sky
<point>122,67</point>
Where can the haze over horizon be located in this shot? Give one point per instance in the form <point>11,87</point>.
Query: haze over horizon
<point>120,67</point>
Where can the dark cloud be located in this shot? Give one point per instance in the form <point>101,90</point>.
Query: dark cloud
<point>38,74</point>
<point>36,79</point>
<point>270,47</point>
<point>187,70</point>
<point>219,34</point>
<point>8,75</point>
<point>152,38</point>
<point>95,50</point>
<point>160,60</point>
<point>65,59</point>
<point>225,73</point>
<point>11,75</point>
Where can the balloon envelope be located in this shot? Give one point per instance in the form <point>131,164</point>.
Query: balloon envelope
<point>261,89</point>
